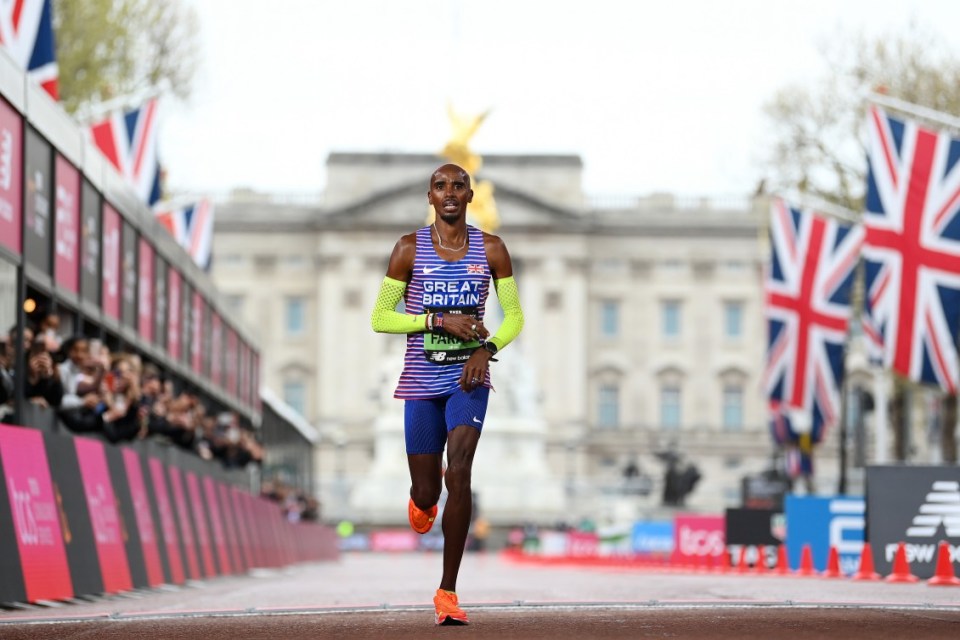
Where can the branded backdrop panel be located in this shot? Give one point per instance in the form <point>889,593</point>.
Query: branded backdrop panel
<point>78,529</point>
<point>160,301</point>
<point>128,276</point>
<point>919,506</point>
<point>171,548</point>
<point>126,511</point>
<point>697,538</point>
<point>66,266</point>
<point>37,198</point>
<point>653,538</point>
<point>35,516</point>
<point>823,523</point>
<point>90,236</point>
<point>145,292</point>
<point>11,178</point>
<point>110,265</point>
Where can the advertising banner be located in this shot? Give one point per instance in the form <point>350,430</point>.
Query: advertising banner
<point>653,538</point>
<point>760,530</point>
<point>196,325</point>
<point>144,517</point>
<point>173,313</point>
<point>919,506</point>
<point>77,527</point>
<point>37,202</point>
<point>160,301</point>
<point>200,522</point>
<point>111,262</point>
<point>145,292</point>
<point>129,276</point>
<point>232,362</point>
<point>217,525</point>
<point>186,523</point>
<point>167,520</point>
<point>66,263</point>
<point>583,544</point>
<point>697,538</point>
<point>393,541</point>
<point>216,350</point>
<point>104,516</point>
<point>35,519</point>
<point>232,529</point>
<point>248,538</point>
<point>11,178</point>
<point>822,523</point>
<point>255,385</point>
<point>90,236</point>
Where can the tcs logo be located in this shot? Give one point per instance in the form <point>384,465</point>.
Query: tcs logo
<point>700,542</point>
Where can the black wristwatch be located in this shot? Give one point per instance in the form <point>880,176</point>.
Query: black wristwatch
<point>492,348</point>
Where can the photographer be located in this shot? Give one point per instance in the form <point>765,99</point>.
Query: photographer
<point>43,386</point>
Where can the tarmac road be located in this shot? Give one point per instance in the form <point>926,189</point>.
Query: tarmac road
<point>388,595</point>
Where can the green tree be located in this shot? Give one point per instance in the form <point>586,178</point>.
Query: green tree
<point>117,49</point>
<point>818,131</point>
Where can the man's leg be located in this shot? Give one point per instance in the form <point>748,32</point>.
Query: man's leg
<point>425,478</point>
<point>461,446</point>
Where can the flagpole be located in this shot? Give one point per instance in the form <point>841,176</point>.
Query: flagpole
<point>881,439</point>
<point>934,116</point>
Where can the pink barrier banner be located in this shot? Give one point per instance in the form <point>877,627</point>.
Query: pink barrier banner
<point>217,523</point>
<point>186,529</point>
<point>232,529</point>
<point>697,537</point>
<point>66,265</point>
<point>168,525</point>
<point>141,510</point>
<point>102,505</point>
<point>232,362</point>
<point>203,535</point>
<point>36,519</point>
<point>11,178</point>
<point>174,313</point>
<point>394,541</point>
<point>247,536</point>
<point>111,262</point>
<point>581,544</point>
<point>145,292</point>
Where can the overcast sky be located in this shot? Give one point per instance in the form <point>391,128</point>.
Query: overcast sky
<point>654,96</point>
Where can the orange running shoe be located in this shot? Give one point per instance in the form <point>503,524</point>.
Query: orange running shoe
<point>421,521</point>
<point>448,608</point>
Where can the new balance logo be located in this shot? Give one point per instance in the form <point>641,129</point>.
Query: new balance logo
<point>942,506</point>
<point>428,270</point>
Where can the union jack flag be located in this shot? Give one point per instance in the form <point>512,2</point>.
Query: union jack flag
<point>129,141</point>
<point>475,268</point>
<point>192,227</point>
<point>807,292</point>
<point>26,31</point>
<point>912,249</point>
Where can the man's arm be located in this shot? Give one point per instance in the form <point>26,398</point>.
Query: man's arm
<point>501,269</point>
<point>385,318</point>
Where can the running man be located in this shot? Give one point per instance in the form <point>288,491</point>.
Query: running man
<point>443,273</point>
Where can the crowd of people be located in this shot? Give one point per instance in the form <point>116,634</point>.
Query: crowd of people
<point>295,504</point>
<point>117,395</point>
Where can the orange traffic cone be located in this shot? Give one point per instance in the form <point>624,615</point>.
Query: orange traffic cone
<point>833,565</point>
<point>761,566</point>
<point>901,566</point>
<point>783,565</point>
<point>742,562</point>
<point>725,561</point>
<point>945,575</point>
<point>866,570</point>
<point>806,562</point>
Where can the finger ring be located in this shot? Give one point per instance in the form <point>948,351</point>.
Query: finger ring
<point>473,327</point>
<point>476,380</point>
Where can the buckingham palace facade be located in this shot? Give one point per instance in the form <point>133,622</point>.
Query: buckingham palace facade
<point>644,336</point>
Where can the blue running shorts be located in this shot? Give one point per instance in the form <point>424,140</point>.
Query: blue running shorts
<point>426,422</point>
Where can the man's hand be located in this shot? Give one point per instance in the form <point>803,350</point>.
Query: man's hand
<point>466,328</point>
<point>475,370</point>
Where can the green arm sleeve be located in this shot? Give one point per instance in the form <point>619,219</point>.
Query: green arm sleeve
<point>512,313</point>
<point>386,319</point>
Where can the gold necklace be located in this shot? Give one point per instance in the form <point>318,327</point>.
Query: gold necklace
<point>440,241</point>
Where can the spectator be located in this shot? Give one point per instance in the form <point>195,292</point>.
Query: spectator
<point>77,350</point>
<point>43,387</point>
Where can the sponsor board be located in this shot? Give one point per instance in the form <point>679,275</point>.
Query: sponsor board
<point>697,537</point>
<point>394,541</point>
<point>919,506</point>
<point>652,538</point>
<point>824,522</point>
